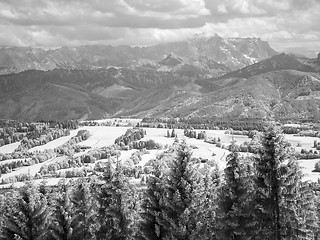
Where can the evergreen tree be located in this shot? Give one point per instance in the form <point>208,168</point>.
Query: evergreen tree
<point>176,213</point>
<point>173,133</point>
<point>297,207</point>
<point>205,204</point>
<point>84,202</point>
<point>272,153</point>
<point>236,199</point>
<point>28,218</point>
<point>150,227</point>
<point>63,224</point>
<point>283,206</point>
<point>168,133</point>
<point>112,205</point>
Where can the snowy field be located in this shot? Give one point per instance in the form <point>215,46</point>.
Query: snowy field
<point>32,170</point>
<point>9,148</point>
<point>307,168</point>
<point>104,136</point>
<point>55,143</point>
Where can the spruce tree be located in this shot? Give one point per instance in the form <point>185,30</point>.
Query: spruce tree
<point>176,213</point>
<point>272,153</point>
<point>112,205</point>
<point>150,227</point>
<point>29,216</point>
<point>236,221</point>
<point>205,204</point>
<point>63,224</point>
<point>84,203</point>
<point>283,207</point>
<point>297,207</point>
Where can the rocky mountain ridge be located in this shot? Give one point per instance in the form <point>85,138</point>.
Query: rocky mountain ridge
<point>201,52</point>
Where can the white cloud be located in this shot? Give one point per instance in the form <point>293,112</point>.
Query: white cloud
<point>139,22</point>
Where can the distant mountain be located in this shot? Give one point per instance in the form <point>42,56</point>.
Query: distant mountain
<point>183,79</point>
<point>279,87</point>
<point>73,94</point>
<point>171,61</point>
<point>201,52</point>
<point>278,62</point>
<point>276,91</point>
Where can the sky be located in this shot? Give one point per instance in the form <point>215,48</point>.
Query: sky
<point>288,25</point>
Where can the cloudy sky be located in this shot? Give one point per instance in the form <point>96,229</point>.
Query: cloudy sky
<point>288,25</point>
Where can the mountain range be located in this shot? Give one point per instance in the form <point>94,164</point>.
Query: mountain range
<point>231,53</point>
<point>199,77</point>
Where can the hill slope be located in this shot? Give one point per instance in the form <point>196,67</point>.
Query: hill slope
<point>283,86</point>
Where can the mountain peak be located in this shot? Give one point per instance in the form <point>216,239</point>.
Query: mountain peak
<point>233,54</point>
<point>171,60</point>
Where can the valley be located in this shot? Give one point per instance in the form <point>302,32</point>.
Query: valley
<point>159,120</point>
<point>167,84</point>
<point>102,137</point>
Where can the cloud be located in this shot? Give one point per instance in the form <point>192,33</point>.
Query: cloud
<point>46,23</point>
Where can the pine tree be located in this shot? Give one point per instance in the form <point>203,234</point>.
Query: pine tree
<point>84,203</point>
<point>112,205</point>
<point>284,208</point>
<point>28,218</point>
<point>205,204</point>
<point>297,207</point>
<point>150,227</point>
<point>173,133</point>
<point>272,153</point>
<point>6,209</point>
<point>63,224</point>
<point>235,200</point>
<point>177,219</point>
<point>168,133</point>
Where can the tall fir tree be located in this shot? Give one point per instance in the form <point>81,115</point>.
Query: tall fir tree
<point>284,208</point>
<point>85,211</point>
<point>297,206</point>
<point>63,222</point>
<point>271,154</point>
<point>205,204</point>
<point>176,213</point>
<point>151,207</point>
<point>236,196</point>
<point>112,205</point>
<point>28,217</point>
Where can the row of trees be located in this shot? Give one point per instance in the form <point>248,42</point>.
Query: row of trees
<point>206,123</point>
<point>50,135</point>
<point>131,135</point>
<point>12,131</point>
<point>70,147</point>
<point>36,158</point>
<point>193,134</point>
<point>262,197</point>
<point>23,158</point>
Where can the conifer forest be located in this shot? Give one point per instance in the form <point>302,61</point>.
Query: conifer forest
<point>261,196</point>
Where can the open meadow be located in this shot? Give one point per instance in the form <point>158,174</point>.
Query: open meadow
<point>102,136</point>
